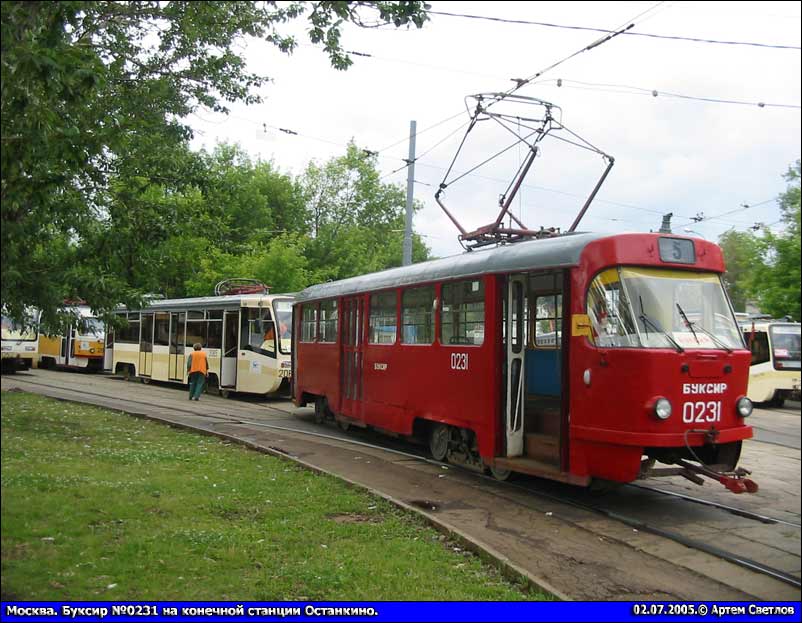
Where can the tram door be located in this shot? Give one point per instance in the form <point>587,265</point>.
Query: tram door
<point>66,346</point>
<point>516,349</point>
<point>146,346</point>
<point>176,361</point>
<point>351,357</point>
<point>228,372</point>
<point>108,349</point>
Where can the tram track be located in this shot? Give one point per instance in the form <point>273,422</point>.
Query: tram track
<point>730,509</point>
<point>785,411</point>
<point>634,523</point>
<point>530,487</point>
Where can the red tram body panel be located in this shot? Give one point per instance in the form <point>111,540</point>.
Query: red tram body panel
<point>570,358</point>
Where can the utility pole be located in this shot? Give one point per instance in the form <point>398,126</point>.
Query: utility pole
<point>407,260</point>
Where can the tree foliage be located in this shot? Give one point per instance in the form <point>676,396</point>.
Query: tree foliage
<point>93,100</point>
<point>766,267</point>
<point>742,254</point>
<point>355,222</point>
<point>335,221</point>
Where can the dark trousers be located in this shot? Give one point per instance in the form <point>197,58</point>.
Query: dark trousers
<point>196,382</point>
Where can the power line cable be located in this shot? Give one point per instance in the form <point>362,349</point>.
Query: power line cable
<point>701,218</point>
<point>419,132</point>
<point>597,87</point>
<point>691,220</point>
<point>631,90</point>
<point>602,30</point>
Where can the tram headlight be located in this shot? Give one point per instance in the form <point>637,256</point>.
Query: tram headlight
<point>662,408</point>
<point>744,406</point>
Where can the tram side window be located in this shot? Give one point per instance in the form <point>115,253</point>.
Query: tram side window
<point>214,333</point>
<point>128,333</point>
<point>258,333</point>
<point>463,313</point>
<point>609,312</point>
<point>383,321</point>
<point>196,332</point>
<point>328,321</point>
<point>416,312</point>
<point>309,322</point>
<point>161,334</point>
<point>759,345</point>
<point>548,321</point>
<point>146,343</point>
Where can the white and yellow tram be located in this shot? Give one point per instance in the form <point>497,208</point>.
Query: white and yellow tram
<point>83,345</point>
<point>20,349</point>
<point>247,339</point>
<point>774,375</point>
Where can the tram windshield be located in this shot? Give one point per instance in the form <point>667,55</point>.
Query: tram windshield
<point>283,310</point>
<point>785,342</point>
<point>661,308</point>
<point>12,331</point>
<point>91,326</point>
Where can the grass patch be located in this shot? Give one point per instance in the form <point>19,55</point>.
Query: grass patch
<point>98,505</point>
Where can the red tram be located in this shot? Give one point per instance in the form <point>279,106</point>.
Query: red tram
<point>576,358</point>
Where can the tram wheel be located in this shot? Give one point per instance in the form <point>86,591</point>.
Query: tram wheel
<point>145,380</point>
<point>501,474</point>
<point>320,410</point>
<point>439,436</point>
<point>224,393</point>
<point>344,426</point>
<point>600,486</point>
<point>777,401</point>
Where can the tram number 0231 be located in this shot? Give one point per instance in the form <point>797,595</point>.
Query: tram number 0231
<point>459,361</point>
<point>701,412</point>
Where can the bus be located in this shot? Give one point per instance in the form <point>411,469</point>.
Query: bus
<point>82,347</point>
<point>19,344</point>
<point>774,375</point>
<point>247,338</point>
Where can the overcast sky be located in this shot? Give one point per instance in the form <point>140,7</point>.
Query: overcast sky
<point>684,156</point>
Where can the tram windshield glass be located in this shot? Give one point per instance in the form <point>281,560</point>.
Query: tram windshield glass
<point>91,326</point>
<point>785,342</point>
<point>660,308</point>
<point>12,331</point>
<point>283,310</point>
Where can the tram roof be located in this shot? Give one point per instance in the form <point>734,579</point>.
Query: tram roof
<point>556,252</point>
<point>230,301</point>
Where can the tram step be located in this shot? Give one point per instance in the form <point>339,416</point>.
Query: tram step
<point>539,468</point>
<point>543,448</point>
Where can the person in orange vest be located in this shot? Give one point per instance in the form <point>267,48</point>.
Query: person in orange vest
<point>198,368</point>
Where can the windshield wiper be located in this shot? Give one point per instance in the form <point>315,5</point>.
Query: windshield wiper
<point>646,320</point>
<point>712,336</point>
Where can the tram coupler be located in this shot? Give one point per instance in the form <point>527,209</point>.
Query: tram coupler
<point>736,481</point>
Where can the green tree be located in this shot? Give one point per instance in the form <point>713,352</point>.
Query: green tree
<point>255,200</point>
<point>98,90</point>
<point>766,267</point>
<point>281,264</point>
<point>355,221</point>
<point>777,282</point>
<point>742,257</point>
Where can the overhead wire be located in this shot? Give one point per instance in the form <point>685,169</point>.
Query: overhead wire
<point>690,220</point>
<point>603,30</point>
<point>744,206</point>
<point>632,90</point>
